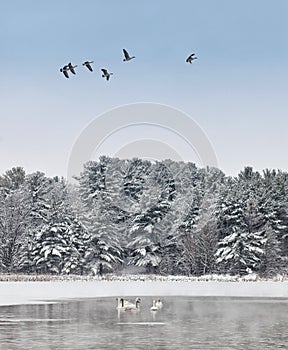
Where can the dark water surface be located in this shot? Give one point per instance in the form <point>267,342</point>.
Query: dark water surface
<point>183,323</point>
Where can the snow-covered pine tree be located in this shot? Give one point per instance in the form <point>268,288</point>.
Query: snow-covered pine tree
<point>92,181</point>
<point>12,179</point>
<point>241,251</point>
<point>135,178</point>
<point>205,237</point>
<point>271,262</point>
<point>145,239</point>
<point>59,247</point>
<point>103,217</point>
<point>274,206</point>
<point>39,188</point>
<point>177,220</point>
<point>58,241</point>
<point>198,231</point>
<point>103,253</point>
<point>14,225</point>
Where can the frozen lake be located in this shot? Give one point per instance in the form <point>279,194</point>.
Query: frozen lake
<point>183,323</point>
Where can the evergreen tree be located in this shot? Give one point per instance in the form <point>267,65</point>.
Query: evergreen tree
<point>271,262</point>
<point>39,189</point>
<point>103,253</point>
<point>154,204</point>
<point>14,224</point>
<point>57,242</point>
<point>240,252</point>
<point>12,179</point>
<point>135,179</point>
<point>166,217</point>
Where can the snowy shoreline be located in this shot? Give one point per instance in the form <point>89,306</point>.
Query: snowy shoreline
<point>127,278</point>
<point>35,292</point>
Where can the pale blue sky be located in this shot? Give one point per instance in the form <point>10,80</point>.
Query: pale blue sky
<point>236,91</point>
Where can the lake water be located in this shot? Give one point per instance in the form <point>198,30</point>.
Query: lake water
<point>183,323</point>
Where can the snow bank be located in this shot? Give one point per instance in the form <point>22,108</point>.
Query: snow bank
<point>12,293</point>
<point>138,277</point>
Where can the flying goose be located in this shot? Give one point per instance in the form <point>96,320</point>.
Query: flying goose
<point>127,56</point>
<point>71,68</point>
<point>64,70</point>
<point>191,58</point>
<point>106,74</point>
<point>88,65</point>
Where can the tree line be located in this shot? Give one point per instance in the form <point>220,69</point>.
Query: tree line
<point>163,217</point>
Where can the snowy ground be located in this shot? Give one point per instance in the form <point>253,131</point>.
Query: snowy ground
<point>14,292</point>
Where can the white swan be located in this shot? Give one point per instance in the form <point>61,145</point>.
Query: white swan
<point>120,303</point>
<point>128,306</point>
<point>158,304</point>
<point>125,305</point>
<point>154,307</point>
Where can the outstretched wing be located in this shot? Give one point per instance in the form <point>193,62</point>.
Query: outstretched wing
<point>88,65</point>
<point>126,54</point>
<point>71,68</point>
<point>190,57</point>
<point>65,73</point>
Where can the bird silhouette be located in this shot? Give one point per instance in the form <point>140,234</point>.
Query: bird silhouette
<point>191,58</point>
<point>127,56</point>
<point>106,74</point>
<point>71,68</point>
<point>64,70</point>
<point>88,65</point>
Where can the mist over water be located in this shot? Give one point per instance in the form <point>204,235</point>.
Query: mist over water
<point>183,323</point>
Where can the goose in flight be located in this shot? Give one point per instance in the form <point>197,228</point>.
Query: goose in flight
<point>127,56</point>
<point>71,68</point>
<point>88,65</point>
<point>106,74</point>
<point>191,58</point>
<point>64,70</point>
